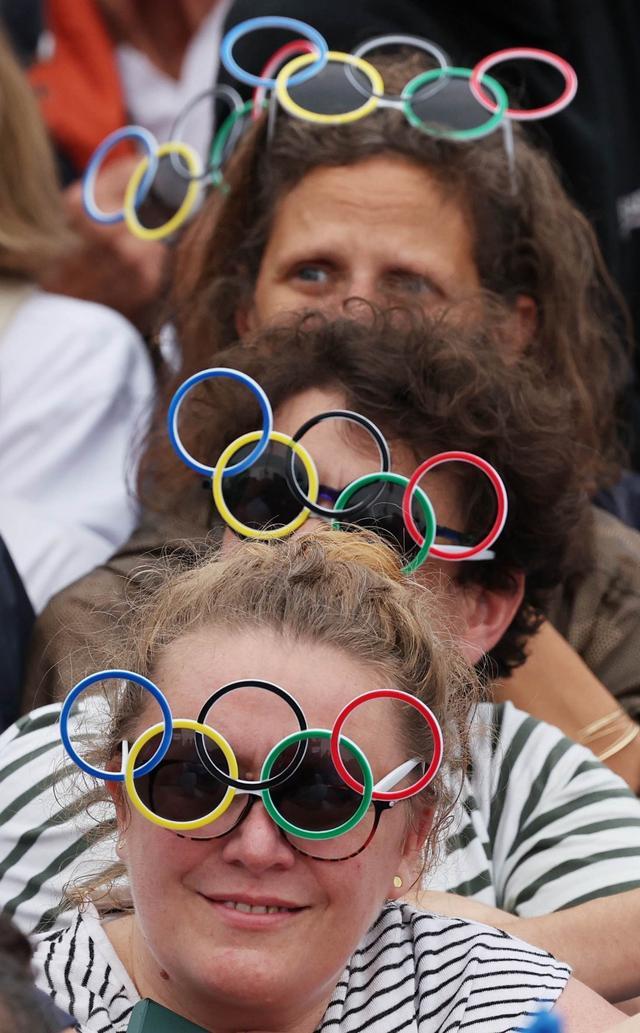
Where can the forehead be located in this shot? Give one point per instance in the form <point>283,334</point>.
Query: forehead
<point>321,677</point>
<point>389,194</point>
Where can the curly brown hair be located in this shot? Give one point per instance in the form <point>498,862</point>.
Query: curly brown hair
<point>432,386</point>
<point>528,239</point>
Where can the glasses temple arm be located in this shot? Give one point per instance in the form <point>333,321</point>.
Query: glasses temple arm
<point>391,780</point>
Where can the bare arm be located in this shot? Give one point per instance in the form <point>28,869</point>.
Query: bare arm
<point>576,935</point>
<point>556,686</point>
<point>583,1011</point>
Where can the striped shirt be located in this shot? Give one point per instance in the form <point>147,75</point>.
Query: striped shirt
<point>541,825</point>
<point>413,973</point>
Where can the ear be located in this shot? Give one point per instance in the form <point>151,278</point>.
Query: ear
<point>245,316</point>
<point>410,865</point>
<point>487,613</point>
<point>522,324</point>
<point>117,792</point>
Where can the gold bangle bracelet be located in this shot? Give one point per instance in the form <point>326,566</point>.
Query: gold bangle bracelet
<point>618,746</point>
<point>602,727</point>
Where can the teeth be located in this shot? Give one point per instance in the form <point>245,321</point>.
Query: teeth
<point>253,909</point>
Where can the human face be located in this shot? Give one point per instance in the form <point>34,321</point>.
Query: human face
<point>476,616</point>
<point>381,229</point>
<point>342,452</point>
<point>260,971</point>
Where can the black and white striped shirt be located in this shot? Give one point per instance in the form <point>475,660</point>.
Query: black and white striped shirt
<point>413,973</point>
<point>541,825</point>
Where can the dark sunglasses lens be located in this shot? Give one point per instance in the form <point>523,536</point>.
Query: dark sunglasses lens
<point>180,788</point>
<point>315,798</point>
<point>260,497</point>
<point>384,516</point>
<point>333,91</point>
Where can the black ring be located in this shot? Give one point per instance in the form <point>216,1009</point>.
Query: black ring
<point>385,457</point>
<point>242,783</point>
<point>219,92</point>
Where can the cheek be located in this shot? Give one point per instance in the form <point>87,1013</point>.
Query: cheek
<point>156,859</point>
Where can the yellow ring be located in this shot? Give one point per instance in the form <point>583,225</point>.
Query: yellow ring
<point>169,823</point>
<point>297,63</point>
<point>282,439</point>
<point>193,163</point>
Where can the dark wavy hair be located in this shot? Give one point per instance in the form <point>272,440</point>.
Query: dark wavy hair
<point>432,386</point>
<point>528,239</point>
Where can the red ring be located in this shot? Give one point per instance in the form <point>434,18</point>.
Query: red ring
<point>440,552</point>
<point>548,57</point>
<point>428,715</point>
<point>296,46</point>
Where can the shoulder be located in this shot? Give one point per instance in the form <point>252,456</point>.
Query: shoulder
<point>56,333</point>
<point>530,760</point>
<point>84,976</point>
<point>417,966</point>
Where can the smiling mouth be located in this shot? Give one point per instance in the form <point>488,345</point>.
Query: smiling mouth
<point>257,909</point>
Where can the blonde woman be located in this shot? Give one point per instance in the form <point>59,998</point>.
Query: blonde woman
<point>75,380</point>
<point>243,923</point>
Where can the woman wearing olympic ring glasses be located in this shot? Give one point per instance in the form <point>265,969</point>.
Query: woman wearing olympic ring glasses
<point>244,929</point>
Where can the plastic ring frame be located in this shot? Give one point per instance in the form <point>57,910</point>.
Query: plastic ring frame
<point>350,417</point>
<point>478,77</point>
<point>285,79</point>
<point>476,132</point>
<point>194,164</point>
<point>427,714</point>
<point>90,176</point>
<point>263,534</point>
<point>318,60</point>
<point>169,823</point>
<point>422,499</point>
<point>174,412</point>
<point>116,675</point>
<point>444,552</point>
<point>366,788</point>
<point>240,783</point>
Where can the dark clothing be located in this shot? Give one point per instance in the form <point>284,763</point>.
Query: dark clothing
<point>16,622</point>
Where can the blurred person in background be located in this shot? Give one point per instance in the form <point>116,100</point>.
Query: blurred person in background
<point>97,65</point>
<point>75,379</point>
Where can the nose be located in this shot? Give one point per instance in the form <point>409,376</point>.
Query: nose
<point>361,284</point>
<point>257,844</point>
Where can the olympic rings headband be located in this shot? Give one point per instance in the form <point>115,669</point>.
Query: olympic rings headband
<point>261,439</point>
<point>382,790</point>
<point>305,59</point>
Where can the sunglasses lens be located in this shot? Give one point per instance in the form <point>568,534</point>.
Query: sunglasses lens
<point>316,799</point>
<point>181,789</point>
<point>384,516</point>
<point>260,497</point>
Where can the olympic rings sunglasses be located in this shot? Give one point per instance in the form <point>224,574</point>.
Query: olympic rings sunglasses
<point>261,494</point>
<point>182,788</point>
<point>262,497</point>
<point>315,784</point>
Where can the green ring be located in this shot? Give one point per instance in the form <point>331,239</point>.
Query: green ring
<point>221,137</point>
<point>492,123</point>
<point>367,781</point>
<point>419,494</point>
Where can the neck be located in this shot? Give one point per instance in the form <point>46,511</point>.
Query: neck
<point>162,31</point>
<point>230,1016</point>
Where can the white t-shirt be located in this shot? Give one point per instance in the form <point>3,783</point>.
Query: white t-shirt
<point>154,100</point>
<point>540,824</point>
<point>412,973</point>
<point>76,387</point>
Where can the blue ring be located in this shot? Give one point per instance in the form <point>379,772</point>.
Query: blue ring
<point>174,409</point>
<point>272,22</point>
<point>139,679</point>
<point>150,145</point>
